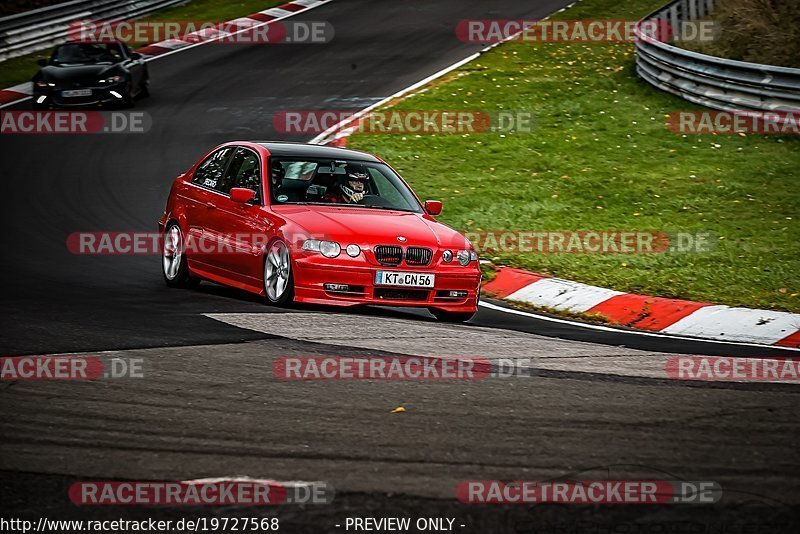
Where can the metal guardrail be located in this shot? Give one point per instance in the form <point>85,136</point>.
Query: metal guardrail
<point>710,81</point>
<point>30,31</point>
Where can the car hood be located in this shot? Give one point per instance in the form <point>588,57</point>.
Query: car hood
<point>76,73</point>
<point>365,227</point>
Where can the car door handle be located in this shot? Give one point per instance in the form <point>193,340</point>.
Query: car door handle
<point>211,205</point>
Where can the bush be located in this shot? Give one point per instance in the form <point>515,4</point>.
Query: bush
<point>759,31</point>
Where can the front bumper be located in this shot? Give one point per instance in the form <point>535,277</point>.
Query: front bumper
<point>99,96</point>
<point>311,273</point>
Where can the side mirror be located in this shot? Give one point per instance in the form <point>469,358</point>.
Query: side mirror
<point>433,207</point>
<point>242,195</point>
<point>41,62</point>
<point>137,56</point>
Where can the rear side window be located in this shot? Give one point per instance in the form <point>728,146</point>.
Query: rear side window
<point>244,171</point>
<point>211,172</point>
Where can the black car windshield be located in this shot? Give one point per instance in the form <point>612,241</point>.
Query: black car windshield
<point>339,182</point>
<point>87,53</point>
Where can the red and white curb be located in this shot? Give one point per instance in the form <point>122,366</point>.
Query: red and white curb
<point>244,24</point>
<point>676,317</point>
<point>23,91</point>
<point>16,93</point>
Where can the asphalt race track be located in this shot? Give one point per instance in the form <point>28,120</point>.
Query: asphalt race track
<point>210,406</point>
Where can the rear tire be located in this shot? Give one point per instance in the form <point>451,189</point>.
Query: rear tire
<point>278,274</point>
<point>452,317</point>
<point>174,265</point>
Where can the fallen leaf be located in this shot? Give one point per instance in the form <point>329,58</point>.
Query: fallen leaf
<point>399,409</point>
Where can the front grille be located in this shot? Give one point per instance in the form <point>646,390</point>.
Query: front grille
<point>400,294</point>
<point>388,254</point>
<point>418,256</point>
<point>76,100</point>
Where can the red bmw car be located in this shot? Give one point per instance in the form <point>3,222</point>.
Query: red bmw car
<point>314,224</point>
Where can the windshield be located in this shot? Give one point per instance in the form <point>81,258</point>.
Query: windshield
<point>340,182</point>
<point>87,53</point>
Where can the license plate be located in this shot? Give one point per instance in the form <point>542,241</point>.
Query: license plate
<point>76,92</point>
<point>395,278</point>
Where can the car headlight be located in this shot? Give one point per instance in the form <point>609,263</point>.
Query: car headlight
<point>353,250</point>
<point>466,256</point>
<point>42,84</point>
<point>447,256</point>
<point>112,79</point>
<point>329,249</point>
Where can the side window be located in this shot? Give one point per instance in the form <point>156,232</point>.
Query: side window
<point>115,50</point>
<point>244,171</point>
<point>210,173</point>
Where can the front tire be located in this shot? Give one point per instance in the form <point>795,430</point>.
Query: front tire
<point>452,317</point>
<point>128,99</point>
<point>144,92</point>
<point>174,266</point>
<point>278,274</point>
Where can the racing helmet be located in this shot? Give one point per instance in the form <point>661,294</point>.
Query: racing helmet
<point>355,181</point>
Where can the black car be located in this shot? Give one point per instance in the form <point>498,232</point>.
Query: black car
<point>85,74</point>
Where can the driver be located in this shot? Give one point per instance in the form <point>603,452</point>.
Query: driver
<point>351,188</point>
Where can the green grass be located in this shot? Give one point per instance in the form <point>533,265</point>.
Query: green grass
<point>601,158</point>
<point>21,69</point>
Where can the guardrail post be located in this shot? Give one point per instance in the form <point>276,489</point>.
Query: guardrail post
<point>674,21</point>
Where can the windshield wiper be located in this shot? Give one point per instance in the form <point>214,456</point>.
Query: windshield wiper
<point>383,208</point>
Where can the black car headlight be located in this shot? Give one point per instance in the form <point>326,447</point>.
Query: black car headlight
<point>111,79</point>
<point>41,84</point>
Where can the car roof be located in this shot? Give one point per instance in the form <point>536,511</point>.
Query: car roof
<point>278,148</point>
